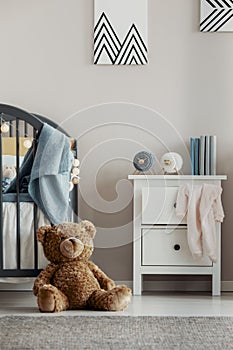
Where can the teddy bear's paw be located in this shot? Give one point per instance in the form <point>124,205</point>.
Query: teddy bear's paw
<point>116,299</point>
<point>121,298</point>
<point>50,299</point>
<point>46,300</point>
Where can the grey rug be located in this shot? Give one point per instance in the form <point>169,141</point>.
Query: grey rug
<point>115,332</point>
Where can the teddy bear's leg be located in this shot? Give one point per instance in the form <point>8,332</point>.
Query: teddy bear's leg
<point>116,299</point>
<point>51,299</point>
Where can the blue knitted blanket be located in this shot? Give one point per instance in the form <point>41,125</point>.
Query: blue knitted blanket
<point>50,174</point>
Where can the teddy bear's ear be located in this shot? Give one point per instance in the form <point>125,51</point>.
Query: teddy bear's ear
<point>89,227</point>
<point>41,232</point>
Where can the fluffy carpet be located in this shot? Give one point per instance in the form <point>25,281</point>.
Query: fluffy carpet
<point>115,332</point>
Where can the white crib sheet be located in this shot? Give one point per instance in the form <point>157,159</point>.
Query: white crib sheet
<point>26,234</point>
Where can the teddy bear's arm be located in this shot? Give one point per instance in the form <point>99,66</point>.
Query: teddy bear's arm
<point>104,281</point>
<point>44,277</point>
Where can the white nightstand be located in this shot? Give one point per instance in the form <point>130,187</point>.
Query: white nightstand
<point>159,237</point>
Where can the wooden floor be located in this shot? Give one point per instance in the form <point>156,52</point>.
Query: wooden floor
<point>154,304</point>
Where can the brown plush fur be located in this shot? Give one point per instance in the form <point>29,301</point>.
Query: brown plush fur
<point>70,281</point>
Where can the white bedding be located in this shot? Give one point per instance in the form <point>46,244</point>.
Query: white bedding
<point>26,234</point>
<point>11,160</point>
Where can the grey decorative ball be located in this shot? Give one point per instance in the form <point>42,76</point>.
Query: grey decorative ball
<point>144,161</point>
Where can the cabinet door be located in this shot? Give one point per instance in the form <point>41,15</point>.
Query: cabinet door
<point>161,247</point>
<point>158,206</point>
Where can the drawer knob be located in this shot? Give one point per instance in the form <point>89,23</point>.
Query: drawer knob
<point>177,247</point>
<point>174,205</point>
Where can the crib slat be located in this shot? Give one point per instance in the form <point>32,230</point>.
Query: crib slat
<point>35,240</point>
<point>35,223</point>
<point>25,129</point>
<point>11,129</point>
<point>17,196</point>
<point>1,208</point>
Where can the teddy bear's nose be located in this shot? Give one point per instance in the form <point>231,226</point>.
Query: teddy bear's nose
<point>73,240</point>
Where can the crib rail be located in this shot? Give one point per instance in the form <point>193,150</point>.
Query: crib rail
<point>19,273</point>
<point>12,197</point>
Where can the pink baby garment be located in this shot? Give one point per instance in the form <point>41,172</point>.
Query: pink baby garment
<point>202,204</point>
<point>211,211</point>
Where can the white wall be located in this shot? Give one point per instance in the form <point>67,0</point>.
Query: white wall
<point>46,67</point>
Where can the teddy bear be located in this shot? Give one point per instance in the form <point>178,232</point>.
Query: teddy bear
<point>8,174</point>
<point>71,281</point>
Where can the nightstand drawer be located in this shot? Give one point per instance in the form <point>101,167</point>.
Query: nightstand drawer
<point>161,247</point>
<point>158,206</point>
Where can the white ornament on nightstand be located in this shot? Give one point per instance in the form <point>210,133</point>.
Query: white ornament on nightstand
<point>171,163</point>
<point>143,162</point>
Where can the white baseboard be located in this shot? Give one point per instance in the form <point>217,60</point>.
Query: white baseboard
<point>227,286</point>
<point>150,286</point>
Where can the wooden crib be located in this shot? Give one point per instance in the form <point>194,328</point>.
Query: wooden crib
<point>20,130</point>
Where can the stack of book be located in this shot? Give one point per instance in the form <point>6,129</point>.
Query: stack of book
<point>203,155</point>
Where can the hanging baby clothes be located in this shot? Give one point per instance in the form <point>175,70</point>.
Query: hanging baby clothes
<point>202,204</point>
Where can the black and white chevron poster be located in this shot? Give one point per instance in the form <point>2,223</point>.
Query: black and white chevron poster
<point>120,32</point>
<point>216,16</point>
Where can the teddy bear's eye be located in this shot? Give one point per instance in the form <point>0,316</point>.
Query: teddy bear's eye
<point>62,238</point>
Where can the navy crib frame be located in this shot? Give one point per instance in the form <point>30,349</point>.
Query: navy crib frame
<point>20,122</point>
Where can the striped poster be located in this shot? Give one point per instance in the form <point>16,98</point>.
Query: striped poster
<point>120,32</point>
<point>216,16</point>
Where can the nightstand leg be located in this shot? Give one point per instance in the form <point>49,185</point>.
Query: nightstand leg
<point>137,284</point>
<point>216,280</point>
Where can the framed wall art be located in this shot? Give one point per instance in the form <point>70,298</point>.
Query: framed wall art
<point>120,32</point>
<point>216,16</point>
